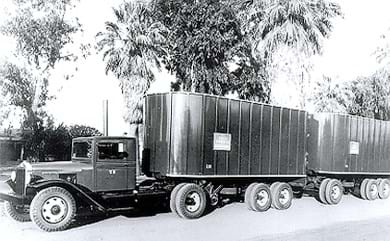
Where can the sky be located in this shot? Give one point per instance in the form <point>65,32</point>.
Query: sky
<point>346,54</point>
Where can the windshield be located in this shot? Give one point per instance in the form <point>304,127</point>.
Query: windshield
<point>82,149</point>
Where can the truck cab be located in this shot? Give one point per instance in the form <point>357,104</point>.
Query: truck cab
<point>113,162</point>
<point>100,176</point>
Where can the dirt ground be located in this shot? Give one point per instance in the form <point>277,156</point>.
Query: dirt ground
<point>352,219</point>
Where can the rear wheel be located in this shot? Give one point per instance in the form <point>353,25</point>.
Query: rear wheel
<point>172,201</point>
<point>259,197</point>
<point>272,187</point>
<point>384,188</point>
<point>248,192</point>
<point>191,201</point>
<point>363,186</point>
<point>322,190</point>
<point>334,191</point>
<point>16,212</point>
<point>371,189</point>
<point>53,209</point>
<point>282,196</point>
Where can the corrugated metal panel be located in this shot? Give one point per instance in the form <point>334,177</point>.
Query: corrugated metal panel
<point>180,128</point>
<point>332,137</point>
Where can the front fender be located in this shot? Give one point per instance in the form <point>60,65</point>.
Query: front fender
<point>71,187</point>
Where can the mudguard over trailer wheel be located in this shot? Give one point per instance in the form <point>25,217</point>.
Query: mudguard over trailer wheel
<point>53,209</point>
<point>172,201</point>
<point>282,196</point>
<point>371,189</point>
<point>191,201</point>
<point>334,192</point>
<point>384,188</point>
<point>259,197</point>
<point>15,212</point>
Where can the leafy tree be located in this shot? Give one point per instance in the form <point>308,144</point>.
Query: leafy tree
<point>82,131</point>
<point>364,96</point>
<point>131,46</point>
<point>58,140</point>
<point>371,96</point>
<point>331,96</point>
<point>300,24</point>
<point>42,31</point>
<point>202,39</point>
<point>277,27</point>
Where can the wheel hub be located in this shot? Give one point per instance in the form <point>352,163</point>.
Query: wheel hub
<point>335,193</point>
<point>284,196</point>
<point>386,189</point>
<point>54,210</point>
<point>193,202</point>
<point>373,190</point>
<point>262,198</point>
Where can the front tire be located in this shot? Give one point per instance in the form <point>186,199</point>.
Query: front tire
<point>17,213</point>
<point>53,209</point>
<point>191,201</point>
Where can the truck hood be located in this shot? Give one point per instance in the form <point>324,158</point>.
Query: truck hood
<point>59,167</point>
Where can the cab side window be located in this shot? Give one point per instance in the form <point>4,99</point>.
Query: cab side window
<point>112,151</point>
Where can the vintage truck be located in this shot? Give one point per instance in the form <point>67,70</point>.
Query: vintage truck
<point>199,149</point>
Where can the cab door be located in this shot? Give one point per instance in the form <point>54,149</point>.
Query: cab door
<point>115,164</point>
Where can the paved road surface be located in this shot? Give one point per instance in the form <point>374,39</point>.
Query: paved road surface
<point>353,219</point>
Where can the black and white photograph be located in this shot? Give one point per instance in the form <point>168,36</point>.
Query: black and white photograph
<point>198,120</point>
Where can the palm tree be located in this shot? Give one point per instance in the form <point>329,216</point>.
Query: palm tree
<point>300,24</point>
<point>288,31</point>
<point>131,47</point>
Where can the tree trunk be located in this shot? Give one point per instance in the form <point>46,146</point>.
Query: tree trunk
<point>134,132</point>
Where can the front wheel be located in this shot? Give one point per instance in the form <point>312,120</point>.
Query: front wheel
<point>16,212</point>
<point>53,209</point>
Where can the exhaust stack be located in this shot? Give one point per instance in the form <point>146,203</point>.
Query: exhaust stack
<point>105,117</point>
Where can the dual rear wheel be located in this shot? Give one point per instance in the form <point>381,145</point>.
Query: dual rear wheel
<point>260,197</point>
<point>371,189</point>
<point>330,191</point>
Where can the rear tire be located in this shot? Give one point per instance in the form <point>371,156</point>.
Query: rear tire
<point>322,190</point>
<point>191,201</point>
<point>384,189</point>
<point>363,186</point>
<point>260,197</point>
<point>172,201</point>
<point>248,192</point>
<point>372,189</point>
<point>282,196</point>
<point>53,209</point>
<point>334,192</point>
<point>15,212</point>
<point>272,188</point>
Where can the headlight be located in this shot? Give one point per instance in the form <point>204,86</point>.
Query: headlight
<point>13,176</point>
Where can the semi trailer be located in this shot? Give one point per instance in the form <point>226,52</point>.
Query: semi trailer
<point>199,150</point>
